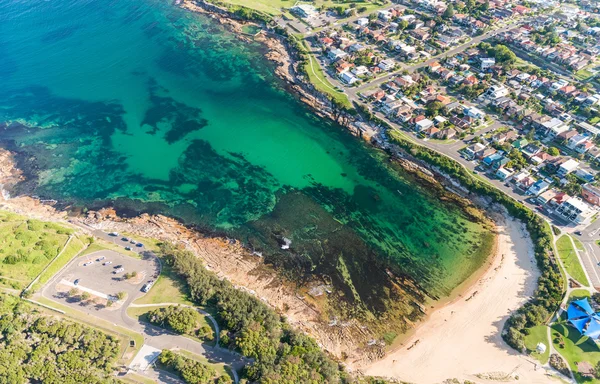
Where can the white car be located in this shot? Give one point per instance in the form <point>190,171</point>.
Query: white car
<point>118,270</point>
<point>88,263</point>
<point>107,263</point>
<point>100,258</point>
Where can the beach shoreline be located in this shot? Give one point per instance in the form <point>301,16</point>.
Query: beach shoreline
<point>462,339</point>
<point>232,260</point>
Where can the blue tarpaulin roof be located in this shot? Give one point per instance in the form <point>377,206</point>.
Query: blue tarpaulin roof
<point>584,304</point>
<point>579,324</point>
<point>581,316</point>
<point>573,312</point>
<point>593,329</point>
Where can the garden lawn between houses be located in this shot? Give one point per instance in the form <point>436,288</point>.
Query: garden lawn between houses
<point>568,255</point>
<point>27,246</point>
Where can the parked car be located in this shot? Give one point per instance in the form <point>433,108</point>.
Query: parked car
<point>76,282</point>
<point>118,270</point>
<point>88,263</point>
<point>107,263</point>
<point>118,266</point>
<point>128,248</point>
<point>139,245</point>
<point>578,233</point>
<point>114,234</point>
<point>100,258</point>
<point>124,239</point>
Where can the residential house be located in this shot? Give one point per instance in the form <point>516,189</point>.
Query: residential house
<point>504,173</point>
<point>567,167</point>
<point>591,194</point>
<point>474,112</point>
<point>423,124</point>
<point>486,63</point>
<point>496,91</point>
<point>387,64</point>
<point>336,54</point>
<point>575,210</point>
<point>471,150</point>
<point>538,188</point>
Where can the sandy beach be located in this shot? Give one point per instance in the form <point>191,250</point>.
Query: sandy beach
<point>462,339</point>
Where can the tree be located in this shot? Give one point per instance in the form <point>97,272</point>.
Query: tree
<point>553,151</point>
<point>402,25</point>
<point>121,295</point>
<point>433,108</point>
<point>485,6</point>
<point>73,292</point>
<point>85,296</point>
<point>448,13</point>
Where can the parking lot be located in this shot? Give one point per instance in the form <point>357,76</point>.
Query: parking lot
<point>100,275</point>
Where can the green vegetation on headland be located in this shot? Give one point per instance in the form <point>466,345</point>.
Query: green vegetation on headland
<point>189,370</point>
<point>550,287</point>
<point>27,246</point>
<point>569,258</point>
<point>280,354</point>
<point>35,348</point>
<point>183,320</point>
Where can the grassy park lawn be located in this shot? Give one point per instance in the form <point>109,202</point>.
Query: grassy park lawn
<point>169,288</point>
<point>274,7</point>
<point>219,367</point>
<point>27,246</point>
<point>583,74</point>
<point>578,244</point>
<point>570,260</point>
<point>538,334</point>
<point>577,294</point>
<point>318,79</point>
<point>575,349</point>
<point>75,246</point>
<point>101,245</point>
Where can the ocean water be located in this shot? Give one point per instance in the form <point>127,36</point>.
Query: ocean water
<point>150,108</point>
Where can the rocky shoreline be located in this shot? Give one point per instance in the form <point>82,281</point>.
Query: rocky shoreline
<point>230,259</point>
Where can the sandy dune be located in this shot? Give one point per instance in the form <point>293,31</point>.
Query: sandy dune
<point>462,339</point>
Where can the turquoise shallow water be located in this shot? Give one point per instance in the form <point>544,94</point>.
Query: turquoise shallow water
<point>147,107</point>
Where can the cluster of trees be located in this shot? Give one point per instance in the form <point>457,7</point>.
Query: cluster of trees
<point>40,349</point>
<point>503,55</point>
<point>180,319</point>
<point>191,371</point>
<point>249,326</point>
<point>549,292</point>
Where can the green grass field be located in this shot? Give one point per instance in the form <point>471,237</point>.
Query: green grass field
<point>101,245</point>
<point>575,349</point>
<point>577,294</point>
<point>570,260</point>
<point>318,79</point>
<point>583,74</point>
<point>277,7</point>
<point>74,247</point>
<point>168,289</point>
<point>538,334</point>
<point>27,246</point>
